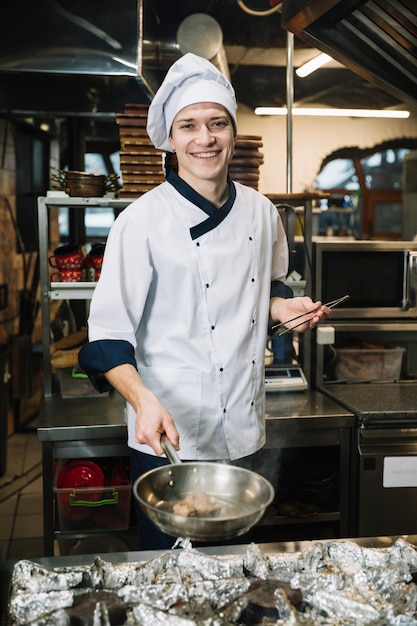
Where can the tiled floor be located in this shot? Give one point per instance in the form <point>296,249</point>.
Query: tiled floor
<point>21,518</point>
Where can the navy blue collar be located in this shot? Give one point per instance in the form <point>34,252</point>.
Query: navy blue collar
<point>216,215</point>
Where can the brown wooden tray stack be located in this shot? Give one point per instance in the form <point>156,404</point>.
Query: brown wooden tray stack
<point>247,159</point>
<point>141,164</point>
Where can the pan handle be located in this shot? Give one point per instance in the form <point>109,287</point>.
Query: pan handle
<point>169,450</point>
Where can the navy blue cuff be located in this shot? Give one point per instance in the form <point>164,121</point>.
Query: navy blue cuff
<point>280,290</point>
<point>98,357</point>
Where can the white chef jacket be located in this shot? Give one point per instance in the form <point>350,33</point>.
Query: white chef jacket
<point>196,313</point>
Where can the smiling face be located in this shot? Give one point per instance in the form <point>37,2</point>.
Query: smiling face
<point>203,137</point>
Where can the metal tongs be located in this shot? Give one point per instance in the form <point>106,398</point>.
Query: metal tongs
<point>329,305</point>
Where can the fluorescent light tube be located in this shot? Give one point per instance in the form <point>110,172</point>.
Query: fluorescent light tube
<point>311,66</point>
<point>329,112</point>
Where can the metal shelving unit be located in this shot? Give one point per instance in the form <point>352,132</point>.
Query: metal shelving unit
<point>57,290</point>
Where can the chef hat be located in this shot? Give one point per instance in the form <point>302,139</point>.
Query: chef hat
<point>189,80</point>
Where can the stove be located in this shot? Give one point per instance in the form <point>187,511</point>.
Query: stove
<point>337,581</point>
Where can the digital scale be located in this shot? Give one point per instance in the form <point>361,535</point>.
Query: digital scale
<point>284,378</point>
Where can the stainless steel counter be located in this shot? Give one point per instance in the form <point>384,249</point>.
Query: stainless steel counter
<point>103,417</point>
<point>95,427</point>
<point>223,550</point>
<point>292,419</point>
<point>69,419</point>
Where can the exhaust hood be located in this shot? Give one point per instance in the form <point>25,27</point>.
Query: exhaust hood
<point>377,39</point>
<point>69,57</point>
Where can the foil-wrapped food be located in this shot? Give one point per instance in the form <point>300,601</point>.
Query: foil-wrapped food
<point>335,582</point>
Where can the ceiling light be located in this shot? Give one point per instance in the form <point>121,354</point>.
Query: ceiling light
<point>328,112</point>
<point>313,65</point>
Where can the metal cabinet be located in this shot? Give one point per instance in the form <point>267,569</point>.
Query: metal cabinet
<point>312,425</point>
<point>87,428</point>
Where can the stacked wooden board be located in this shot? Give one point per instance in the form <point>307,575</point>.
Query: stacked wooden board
<point>141,164</point>
<point>247,159</point>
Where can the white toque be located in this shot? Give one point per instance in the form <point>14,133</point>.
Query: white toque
<point>189,80</point>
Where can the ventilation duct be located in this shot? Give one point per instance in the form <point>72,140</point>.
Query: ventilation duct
<point>198,33</point>
<point>201,34</point>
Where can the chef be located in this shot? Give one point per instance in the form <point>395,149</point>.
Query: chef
<point>193,272</point>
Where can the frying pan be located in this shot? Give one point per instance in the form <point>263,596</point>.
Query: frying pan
<point>242,495</point>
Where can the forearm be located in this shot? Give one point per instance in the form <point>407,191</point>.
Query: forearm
<point>152,419</point>
<point>127,381</point>
<point>276,305</point>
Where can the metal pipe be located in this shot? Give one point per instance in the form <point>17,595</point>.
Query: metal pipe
<point>290,100</point>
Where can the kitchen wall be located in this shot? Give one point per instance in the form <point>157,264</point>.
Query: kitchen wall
<point>313,140</point>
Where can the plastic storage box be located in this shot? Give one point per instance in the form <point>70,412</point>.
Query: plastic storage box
<point>90,498</point>
<point>93,509</point>
<point>363,365</point>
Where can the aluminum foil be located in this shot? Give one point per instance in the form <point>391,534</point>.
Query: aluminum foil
<point>341,584</point>
<point>32,578</point>
<point>28,607</point>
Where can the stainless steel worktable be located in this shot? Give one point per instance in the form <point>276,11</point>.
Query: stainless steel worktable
<point>292,419</point>
<point>77,428</point>
<point>77,419</point>
<point>95,427</point>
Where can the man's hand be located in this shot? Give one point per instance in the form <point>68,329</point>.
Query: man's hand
<point>283,310</point>
<point>152,420</point>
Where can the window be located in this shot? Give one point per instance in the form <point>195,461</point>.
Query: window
<point>366,191</point>
<point>383,170</point>
<point>337,174</point>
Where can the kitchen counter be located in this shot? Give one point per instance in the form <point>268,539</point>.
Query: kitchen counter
<point>371,403</point>
<point>95,427</point>
<point>66,419</point>
<point>88,418</point>
<point>293,419</point>
<point>75,560</point>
